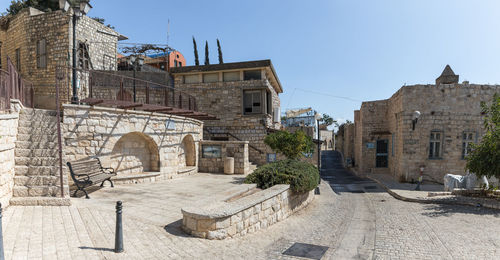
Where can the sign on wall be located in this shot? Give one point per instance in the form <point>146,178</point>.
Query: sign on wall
<point>170,124</point>
<point>370,145</point>
<point>271,157</point>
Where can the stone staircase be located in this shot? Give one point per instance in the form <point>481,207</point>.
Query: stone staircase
<point>36,179</point>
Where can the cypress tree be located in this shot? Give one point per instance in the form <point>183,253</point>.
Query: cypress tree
<point>207,61</point>
<point>220,52</point>
<point>196,60</point>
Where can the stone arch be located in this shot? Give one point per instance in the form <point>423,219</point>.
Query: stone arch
<point>135,152</point>
<point>187,155</point>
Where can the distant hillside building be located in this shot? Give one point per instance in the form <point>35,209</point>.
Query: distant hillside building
<point>174,59</point>
<point>385,140</point>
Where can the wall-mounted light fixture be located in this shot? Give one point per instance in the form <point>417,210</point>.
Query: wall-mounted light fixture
<point>414,120</point>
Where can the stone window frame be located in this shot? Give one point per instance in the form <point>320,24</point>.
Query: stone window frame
<point>41,53</point>
<point>432,144</point>
<point>468,137</point>
<point>262,105</point>
<point>83,56</point>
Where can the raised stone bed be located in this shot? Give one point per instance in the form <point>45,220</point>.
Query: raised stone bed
<point>232,218</point>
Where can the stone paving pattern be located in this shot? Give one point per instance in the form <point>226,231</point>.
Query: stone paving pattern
<point>353,225</point>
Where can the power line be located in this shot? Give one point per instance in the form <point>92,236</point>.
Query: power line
<point>326,94</point>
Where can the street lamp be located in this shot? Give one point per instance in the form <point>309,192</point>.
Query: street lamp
<point>136,62</point>
<point>318,118</point>
<point>81,7</point>
<point>416,115</point>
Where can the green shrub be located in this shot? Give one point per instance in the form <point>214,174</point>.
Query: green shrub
<point>301,176</point>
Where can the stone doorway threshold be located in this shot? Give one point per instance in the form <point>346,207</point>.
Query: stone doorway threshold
<point>133,178</point>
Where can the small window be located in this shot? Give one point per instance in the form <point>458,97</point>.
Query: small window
<point>252,75</point>
<point>210,77</point>
<point>83,56</point>
<point>18,60</point>
<point>269,103</point>
<point>41,54</point>
<point>435,145</point>
<point>180,64</point>
<point>211,151</point>
<point>467,140</point>
<point>175,63</point>
<point>252,102</point>
<point>191,79</point>
<point>231,76</point>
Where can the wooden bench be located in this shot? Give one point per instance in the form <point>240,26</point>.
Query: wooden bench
<point>89,172</point>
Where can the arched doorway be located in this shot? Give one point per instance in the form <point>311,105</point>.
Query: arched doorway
<point>187,155</point>
<point>135,153</point>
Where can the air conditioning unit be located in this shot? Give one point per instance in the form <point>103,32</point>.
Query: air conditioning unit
<point>277,114</point>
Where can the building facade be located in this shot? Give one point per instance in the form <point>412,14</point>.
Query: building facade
<point>39,43</point>
<point>388,139</point>
<point>243,95</point>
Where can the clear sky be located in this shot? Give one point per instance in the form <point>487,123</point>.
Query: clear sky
<point>325,49</point>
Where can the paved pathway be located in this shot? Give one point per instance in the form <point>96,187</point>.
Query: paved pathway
<point>370,225</point>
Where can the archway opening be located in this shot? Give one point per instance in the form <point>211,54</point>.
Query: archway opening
<point>187,155</point>
<point>135,153</point>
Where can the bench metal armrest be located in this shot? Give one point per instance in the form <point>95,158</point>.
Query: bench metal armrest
<point>108,169</point>
<point>83,174</point>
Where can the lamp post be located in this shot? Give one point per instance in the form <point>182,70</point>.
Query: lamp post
<point>318,118</point>
<point>135,61</point>
<point>80,8</point>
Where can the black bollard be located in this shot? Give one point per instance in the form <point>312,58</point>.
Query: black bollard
<point>119,228</point>
<point>1,235</point>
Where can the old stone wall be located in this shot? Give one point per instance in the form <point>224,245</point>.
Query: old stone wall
<point>225,100</point>
<point>236,149</point>
<point>122,137</point>
<point>31,25</point>
<point>448,109</point>
<point>245,215</point>
<point>8,130</point>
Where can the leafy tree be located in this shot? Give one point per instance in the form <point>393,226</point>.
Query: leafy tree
<point>484,159</point>
<point>43,5</point>
<point>101,21</point>
<point>196,60</point>
<point>219,49</point>
<point>292,145</point>
<point>327,120</point>
<point>207,61</point>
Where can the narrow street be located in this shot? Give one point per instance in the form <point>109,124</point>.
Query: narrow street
<point>381,227</point>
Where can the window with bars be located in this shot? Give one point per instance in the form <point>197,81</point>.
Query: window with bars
<point>435,145</point>
<point>41,54</point>
<point>467,140</point>
<point>83,56</point>
<point>252,102</point>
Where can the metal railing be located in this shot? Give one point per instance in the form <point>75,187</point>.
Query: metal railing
<point>13,86</point>
<point>114,86</point>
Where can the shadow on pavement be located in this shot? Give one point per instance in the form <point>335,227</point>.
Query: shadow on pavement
<point>174,228</point>
<point>97,248</point>
<point>445,210</point>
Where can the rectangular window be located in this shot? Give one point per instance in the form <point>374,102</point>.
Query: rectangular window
<point>41,54</point>
<point>435,145</point>
<point>210,77</point>
<point>252,75</point>
<point>18,60</point>
<point>392,144</point>
<point>191,79</point>
<point>175,63</point>
<point>381,158</point>
<point>211,151</point>
<point>231,76</point>
<point>467,140</point>
<point>83,56</point>
<point>269,103</point>
<point>252,102</point>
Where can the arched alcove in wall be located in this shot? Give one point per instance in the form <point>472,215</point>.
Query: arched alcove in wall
<point>135,153</point>
<point>187,155</point>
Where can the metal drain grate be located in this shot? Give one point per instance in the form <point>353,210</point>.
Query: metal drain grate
<point>306,251</point>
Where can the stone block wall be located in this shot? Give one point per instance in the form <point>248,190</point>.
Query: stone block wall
<point>245,215</point>
<point>450,109</point>
<point>236,149</point>
<point>97,131</point>
<point>8,130</point>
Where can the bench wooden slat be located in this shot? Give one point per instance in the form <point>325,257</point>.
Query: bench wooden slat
<point>89,172</point>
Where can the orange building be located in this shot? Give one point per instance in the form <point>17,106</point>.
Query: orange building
<point>175,59</point>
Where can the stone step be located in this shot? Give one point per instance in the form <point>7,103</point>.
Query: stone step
<point>37,137</point>
<point>36,191</point>
<point>36,129</point>
<point>37,161</point>
<point>36,145</point>
<point>38,123</point>
<point>36,152</point>
<point>40,201</point>
<point>37,180</point>
<point>23,170</point>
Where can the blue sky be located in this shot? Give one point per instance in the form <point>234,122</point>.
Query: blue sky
<point>325,49</point>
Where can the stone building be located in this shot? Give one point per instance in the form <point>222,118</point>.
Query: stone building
<point>326,136</point>
<point>243,95</point>
<point>344,143</point>
<point>386,139</point>
<point>39,42</point>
